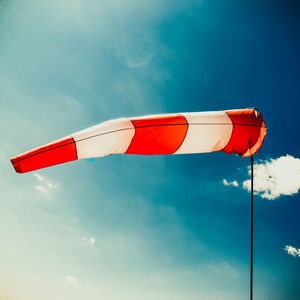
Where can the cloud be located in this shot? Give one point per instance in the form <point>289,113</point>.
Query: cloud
<point>38,177</point>
<point>45,185</point>
<point>228,183</point>
<point>275,177</point>
<point>90,240</point>
<point>41,189</point>
<point>292,251</point>
<point>71,279</point>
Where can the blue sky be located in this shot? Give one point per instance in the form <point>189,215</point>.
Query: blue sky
<point>138,227</point>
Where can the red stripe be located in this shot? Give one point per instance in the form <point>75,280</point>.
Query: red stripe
<point>46,156</point>
<point>162,135</point>
<point>248,132</point>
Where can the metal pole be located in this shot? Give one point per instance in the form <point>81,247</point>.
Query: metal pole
<point>251,256</point>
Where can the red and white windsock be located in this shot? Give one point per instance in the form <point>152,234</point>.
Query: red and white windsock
<point>240,131</point>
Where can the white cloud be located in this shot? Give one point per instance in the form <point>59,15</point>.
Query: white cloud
<point>38,177</point>
<point>90,240</point>
<point>45,185</point>
<point>228,183</point>
<point>275,177</point>
<point>50,185</point>
<point>41,189</point>
<point>292,251</point>
<point>71,279</point>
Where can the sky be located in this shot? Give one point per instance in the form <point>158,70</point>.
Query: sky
<point>148,227</point>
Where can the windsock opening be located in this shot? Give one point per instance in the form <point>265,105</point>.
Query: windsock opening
<point>248,133</point>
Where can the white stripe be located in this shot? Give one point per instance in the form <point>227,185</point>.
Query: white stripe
<point>207,132</point>
<point>111,137</point>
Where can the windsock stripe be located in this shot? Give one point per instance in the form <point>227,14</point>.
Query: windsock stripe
<point>246,140</point>
<point>42,150</point>
<point>53,154</point>
<point>201,136</point>
<point>154,136</point>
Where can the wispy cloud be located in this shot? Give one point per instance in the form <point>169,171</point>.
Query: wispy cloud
<point>45,186</point>
<point>90,240</point>
<point>71,279</point>
<point>292,251</point>
<point>276,177</point>
<point>228,183</point>
<point>38,177</point>
<point>41,189</point>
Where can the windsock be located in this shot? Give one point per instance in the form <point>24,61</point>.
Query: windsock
<point>240,131</point>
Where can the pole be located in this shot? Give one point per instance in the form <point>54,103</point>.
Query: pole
<point>251,256</point>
